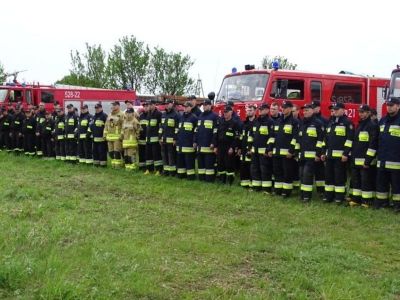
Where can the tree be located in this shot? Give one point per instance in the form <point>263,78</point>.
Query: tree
<point>88,71</point>
<point>284,63</point>
<point>2,74</point>
<point>169,73</point>
<point>128,63</point>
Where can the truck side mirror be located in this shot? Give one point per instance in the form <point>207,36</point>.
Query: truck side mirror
<point>385,92</point>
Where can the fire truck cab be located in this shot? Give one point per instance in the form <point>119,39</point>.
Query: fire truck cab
<point>266,86</point>
<point>12,95</point>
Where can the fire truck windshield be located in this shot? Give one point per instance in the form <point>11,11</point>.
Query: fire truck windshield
<point>395,85</point>
<point>243,88</point>
<point>3,94</point>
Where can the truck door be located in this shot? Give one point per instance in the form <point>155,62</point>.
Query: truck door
<point>288,89</point>
<point>351,94</point>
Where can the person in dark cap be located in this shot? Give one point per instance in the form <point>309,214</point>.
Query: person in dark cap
<point>40,117</point>
<point>388,174</point>
<point>168,130</point>
<point>5,127</point>
<point>28,132</point>
<point>71,125</point>
<point>84,136</point>
<point>153,148</point>
<point>97,126</point>
<point>113,134</point>
<point>363,162</point>
<point>310,141</point>
<point>16,130</point>
<point>143,120</point>
<point>374,116</point>
<point>246,143</point>
<point>261,163</point>
<point>185,142</point>
<point>195,108</point>
<point>46,135</point>
<point>284,150</point>
<point>338,143</point>
<point>226,143</point>
<point>59,135</point>
<point>206,129</point>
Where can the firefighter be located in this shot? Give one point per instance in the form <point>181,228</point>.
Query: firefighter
<point>185,144</point>
<point>363,162</point>
<point>59,134</point>
<point>5,127</point>
<point>207,126</point>
<point>261,163</point>
<point>113,134</point>
<point>310,147</point>
<point>28,132</point>
<point>71,126</point>
<point>84,136</point>
<point>46,134</point>
<point>195,108</point>
<point>168,130</point>
<point>153,149</point>
<point>338,144</point>
<point>40,117</point>
<point>319,165</point>
<point>226,143</point>
<point>388,173</point>
<point>142,136</point>
<point>246,141</point>
<point>130,132</point>
<point>374,116</point>
<point>16,130</point>
<point>285,139</point>
<point>96,129</point>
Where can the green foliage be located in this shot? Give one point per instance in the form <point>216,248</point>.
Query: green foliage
<point>2,74</point>
<point>128,63</point>
<point>131,64</point>
<point>284,63</point>
<point>78,232</point>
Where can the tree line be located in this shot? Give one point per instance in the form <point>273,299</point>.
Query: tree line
<point>131,64</point>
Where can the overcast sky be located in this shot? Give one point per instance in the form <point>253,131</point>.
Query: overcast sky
<point>320,36</point>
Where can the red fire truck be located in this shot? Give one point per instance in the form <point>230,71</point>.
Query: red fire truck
<point>25,95</point>
<point>266,86</point>
<point>394,89</point>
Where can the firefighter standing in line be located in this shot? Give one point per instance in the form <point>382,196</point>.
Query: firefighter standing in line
<point>16,130</point>
<point>28,132</point>
<point>153,149</point>
<point>142,136</point>
<point>168,130</point>
<point>113,134</point>
<point>96,129</point>
<point>363,162</point>
<point>226,142</point>
<point>185,144</point>
<point>207,126</point>
<point>84,136</point>
<point>59,134</point>
<point>40,117</point>
<point>310,142</point>
<point>284,148</point>
<point>261,163</point>
<point>46,134</point>
<point>246,142</point>
<point>320,166</point>
<point>338,143</point>
<point>71,125</point>
<point>195,108</point>
<point>130,132</point>
<point>5,127</point>
<point>388,173</point>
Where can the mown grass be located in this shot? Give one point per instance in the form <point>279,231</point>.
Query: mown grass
<point>77,232</point>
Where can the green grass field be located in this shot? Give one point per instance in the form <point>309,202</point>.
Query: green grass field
<point>78,232</point>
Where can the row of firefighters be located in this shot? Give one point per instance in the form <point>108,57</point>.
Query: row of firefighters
<point>274,150</point>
